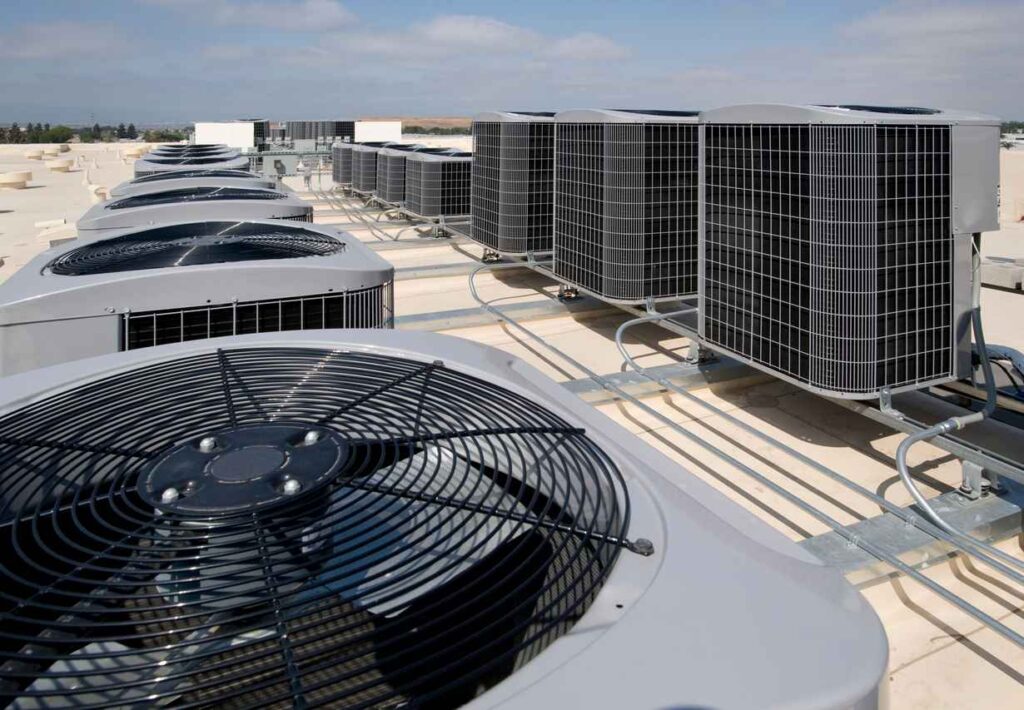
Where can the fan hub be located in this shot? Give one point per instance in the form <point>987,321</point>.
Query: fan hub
<point>243,468</point>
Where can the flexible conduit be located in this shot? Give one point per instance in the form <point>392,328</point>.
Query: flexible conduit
<point>980,550</point>
<point>819,515</point>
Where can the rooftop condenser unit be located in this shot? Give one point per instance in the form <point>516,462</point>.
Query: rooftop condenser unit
<point>191,151</point>
<point>364,164</point>
<point>512,186</point>
<point>188,281</point>
<point>626,207</point>
<point>387,519</point>
<point>391,164</point>
<point>341,164</point>
<point>161,182</point>
<point>836,241</point>
<point>152,165</point>
<point>192,204</point>
<point>438,185</point>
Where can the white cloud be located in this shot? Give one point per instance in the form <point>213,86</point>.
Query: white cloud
<point>289,15</point>
<point>63,40</point>
<point>471,31</point>
<point>586,47</point>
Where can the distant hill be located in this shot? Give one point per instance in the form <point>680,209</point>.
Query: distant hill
<point>427,121</point>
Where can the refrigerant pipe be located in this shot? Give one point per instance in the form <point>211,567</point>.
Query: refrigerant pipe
<point>822,517</point>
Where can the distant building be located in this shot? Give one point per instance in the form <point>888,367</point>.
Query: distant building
<point>245,134</point>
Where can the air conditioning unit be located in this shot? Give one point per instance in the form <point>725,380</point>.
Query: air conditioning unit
<point>391,171</point>
<point>387,519</point>
<point>438,185</point>
<point>188,281</point>
<point>193,151</point>
<point>193,204</point>
<point>341,163</point>
<point>626,207</point>
<point>152,165</point>
<point>836,241</point>
<point>192,178</point>
<point>364,164</point>
<point>513,176</point>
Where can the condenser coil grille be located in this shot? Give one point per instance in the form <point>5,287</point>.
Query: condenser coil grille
<point>190,195</point>
<point>361,308</point>
<point>513,174</point>
<point>364,170</point>
<point>341,164</point>
<point>391,177</point>
<point>443,532</point>
<point>625,224</point>
<point>828,252</point>
<point>438,188</point>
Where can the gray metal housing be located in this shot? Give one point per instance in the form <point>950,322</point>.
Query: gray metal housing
<point>47,318</point>
<point>166,165</point>
<point>205,153</point>
<point>162,182</point>
<point>391,165</point>
<point>625,203</point>
<point>512,184</point>
<point>836,241</point>
<point>192,204</point>
<point>364,166</point>
<point>438,185</point>
<point>726,613</point>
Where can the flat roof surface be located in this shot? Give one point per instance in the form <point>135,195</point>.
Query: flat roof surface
<point>939,656</point>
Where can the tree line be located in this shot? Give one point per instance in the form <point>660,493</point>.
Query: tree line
<point>45,133</point>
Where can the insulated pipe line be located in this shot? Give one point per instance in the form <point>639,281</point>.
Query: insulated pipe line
<point>956,423</point>
<point>351,215</point>
<point>947,426</point>
<point>822,517</point>
<point>957,538</point>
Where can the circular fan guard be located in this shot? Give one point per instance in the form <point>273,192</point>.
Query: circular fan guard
<point>190,195</point>
<point>464,530</point>
<point>193,244</point>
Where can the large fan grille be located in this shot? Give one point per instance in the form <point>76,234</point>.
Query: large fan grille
<point>512,186</point>
<point>828,252</point>
<point>180,174</point>
<point>189,195</point>
<point>193,244</point>
<point>198,160</point>
<point>358,308</point>
<point>467,528</point>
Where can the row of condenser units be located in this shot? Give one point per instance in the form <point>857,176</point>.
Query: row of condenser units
<point>828,245</point>
<point>189,249</point>
<point>426,182</point>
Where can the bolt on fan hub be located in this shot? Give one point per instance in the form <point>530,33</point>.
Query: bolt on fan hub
<point>243,468</point>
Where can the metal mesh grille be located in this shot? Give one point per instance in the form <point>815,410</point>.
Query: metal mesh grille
<point>189,195</point>
<point>179,174</point>
<point>625,223</point>
<point>391,177</point>
<point>438,188</point>
<point>828,252</point>
<point>364,170</point>
<point>456,530</point>
<point>513,174</point>
<point>361,308</point>
<point>341,164</point>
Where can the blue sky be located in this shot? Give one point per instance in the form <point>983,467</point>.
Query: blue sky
<point>153,61</point>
